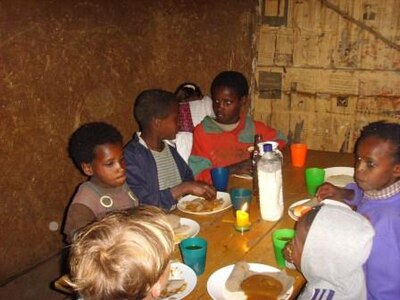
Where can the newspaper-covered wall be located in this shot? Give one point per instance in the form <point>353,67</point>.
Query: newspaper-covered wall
<point>327,68</point>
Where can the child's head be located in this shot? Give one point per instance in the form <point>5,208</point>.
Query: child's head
<point>378,156</point>
<point>157,111</point>
<point>96,149</point>
<point>331,241</point>
<point>126,255</point>
<point>229,91</point>
<point>330,248</point>
<point>296,246</point>
<point>188,91</point>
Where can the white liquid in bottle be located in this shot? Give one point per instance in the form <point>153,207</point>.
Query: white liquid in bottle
<point>270,185</point>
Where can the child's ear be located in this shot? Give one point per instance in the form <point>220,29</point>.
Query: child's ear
<point>156,290</point>
<point>244,100</point>
<point>396,170</point>
<point>87,169</point>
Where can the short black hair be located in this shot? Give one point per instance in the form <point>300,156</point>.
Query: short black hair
<point>188,90</point>
<point>231,79</point>
<point>152,104</point>
<point>310,215</point>
<point>385,131</point>
<point>84,140</point>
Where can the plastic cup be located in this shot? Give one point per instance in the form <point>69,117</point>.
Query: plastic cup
<point>279,238</point>
<point>220,178</point>
<point>314,178</point>
<point>299,154</point>
<point>194,253</point>
<point>239,197</point>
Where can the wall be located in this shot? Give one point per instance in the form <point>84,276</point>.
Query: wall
<point>64,63</point>
<point>327,68</point>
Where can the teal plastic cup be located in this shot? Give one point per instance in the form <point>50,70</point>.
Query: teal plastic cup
<point>280,238</point>
<point>314,178</point>
<point>194,253</point>
<point>240,196</point>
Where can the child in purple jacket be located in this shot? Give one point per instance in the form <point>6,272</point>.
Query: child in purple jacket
<point>376,194</point>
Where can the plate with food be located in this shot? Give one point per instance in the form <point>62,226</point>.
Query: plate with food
<point>182,281</point>
<point>244,280</point>
<point>339,176</point>
<point>299,208</point>
<point>183,227</point>
<point>199,206</point>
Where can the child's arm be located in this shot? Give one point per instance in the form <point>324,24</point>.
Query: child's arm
<point>196,188</point>
<point>242,167</point>
<point>328,190</point>
<point>78,216</point>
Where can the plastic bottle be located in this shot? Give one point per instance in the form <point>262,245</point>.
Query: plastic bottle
<point>255,157</point>
<point>269,169</point>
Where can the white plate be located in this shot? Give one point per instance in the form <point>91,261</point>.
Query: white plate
<point>188,275</point>
<point>216,282</point>
<point>226,204</point>
<point>335,171</point>
<point>326,201</point>
<point>194,227</point>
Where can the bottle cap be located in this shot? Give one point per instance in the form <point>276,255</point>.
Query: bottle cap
<point>267,147</point>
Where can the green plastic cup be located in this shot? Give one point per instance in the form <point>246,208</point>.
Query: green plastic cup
<point>314,178</point>
<point>280,238</point>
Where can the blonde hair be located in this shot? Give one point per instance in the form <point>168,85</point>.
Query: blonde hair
<point>122,256</point>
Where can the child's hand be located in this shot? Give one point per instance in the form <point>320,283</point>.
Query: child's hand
<point>328,190</point>
<point>196,188</point>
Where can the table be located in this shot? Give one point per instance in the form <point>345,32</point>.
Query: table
<point>227,246</point>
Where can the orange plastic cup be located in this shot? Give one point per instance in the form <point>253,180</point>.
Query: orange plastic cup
<point>299,154</point>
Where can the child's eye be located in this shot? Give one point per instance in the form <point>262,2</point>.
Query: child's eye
<point>109,164</point>
<point>371,164</point>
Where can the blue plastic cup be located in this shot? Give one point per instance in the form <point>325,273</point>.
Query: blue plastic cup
<point>240,196</point>
<point>194,253</point>
<point>220,178</point>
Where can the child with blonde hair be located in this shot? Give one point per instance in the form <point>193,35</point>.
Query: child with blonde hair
<point>126,255</point>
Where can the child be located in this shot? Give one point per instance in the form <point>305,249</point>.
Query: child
<point>330,247</point>
<point>224,141</point>
<point>124,256</point>
<point>155,170</point>
<point>193,107</point>
<point>96,149</point>
<point>376,194</point>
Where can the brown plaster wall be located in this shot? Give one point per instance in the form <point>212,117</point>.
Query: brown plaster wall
<point>63,63</point>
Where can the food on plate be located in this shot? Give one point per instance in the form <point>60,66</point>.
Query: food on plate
<point>181,231</point>
<point>203,205</point>
<point>340,180</point>
<point>173,287</point>
<point>243,283</point>
<point>261,286</point>
<point>176,283</point>
<point>301,210</point>
<point>173,220</point>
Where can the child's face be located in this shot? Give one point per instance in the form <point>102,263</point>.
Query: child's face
<point>168,127</point>
<point>294,249</point>
<point>226,105</point>
<point>375,168</point>
<point>108,166</point>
